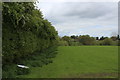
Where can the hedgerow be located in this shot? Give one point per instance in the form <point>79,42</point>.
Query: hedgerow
<point>24,32</point>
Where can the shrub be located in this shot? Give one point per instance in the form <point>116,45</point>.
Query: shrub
<point>22,71</point>
<point>107,41</point>
<point>63,43</point>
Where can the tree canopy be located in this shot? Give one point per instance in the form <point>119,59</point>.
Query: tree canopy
<point>25,31</point>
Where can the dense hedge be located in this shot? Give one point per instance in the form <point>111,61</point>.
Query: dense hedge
<point>24,31</point>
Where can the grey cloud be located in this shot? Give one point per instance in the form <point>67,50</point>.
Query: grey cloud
<point>68,11</point>
<point>78,17</point>
<point>88,10</point>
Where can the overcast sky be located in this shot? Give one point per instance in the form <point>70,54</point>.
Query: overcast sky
<point>82,18</point>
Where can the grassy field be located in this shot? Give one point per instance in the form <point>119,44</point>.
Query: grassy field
<point>80,62</point>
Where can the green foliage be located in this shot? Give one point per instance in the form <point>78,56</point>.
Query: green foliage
<point>38,60</point>
<point>9,71</point>
<point>25,31</point>
<point>63,43</point>
<point>86,40</point>
<point>74,43</point>
<point>119,43</point>
<point>114,38</point>
<point>22,71</point>
<point>107,41</point>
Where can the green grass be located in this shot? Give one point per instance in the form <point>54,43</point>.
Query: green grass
<point>80,61</point>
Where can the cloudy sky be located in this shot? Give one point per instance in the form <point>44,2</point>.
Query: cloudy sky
<point>82,18</point>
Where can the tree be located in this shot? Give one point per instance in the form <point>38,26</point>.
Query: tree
<point>74,37</point>
<point>102,38</point>
<point>66,38</point>
<point>97,38</point>
<point>118,37</point>
<point>114,38</point>
<point>107,41</point>
<point>86,40</point>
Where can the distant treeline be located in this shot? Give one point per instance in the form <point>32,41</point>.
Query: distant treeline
<point>24,33</point>
<point>87,40</point>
